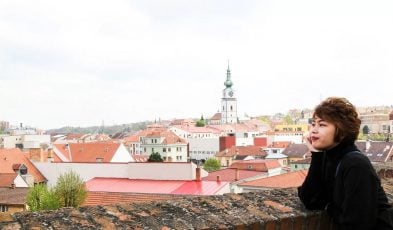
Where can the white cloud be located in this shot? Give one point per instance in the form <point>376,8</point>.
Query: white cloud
<point>80,62</point>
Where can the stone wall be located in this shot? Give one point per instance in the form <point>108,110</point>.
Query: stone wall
<point>266,210</point>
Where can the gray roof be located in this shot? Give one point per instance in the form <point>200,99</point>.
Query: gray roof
<point>296,150</point>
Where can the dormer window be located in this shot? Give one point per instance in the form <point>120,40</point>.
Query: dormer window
<point>20,169</point>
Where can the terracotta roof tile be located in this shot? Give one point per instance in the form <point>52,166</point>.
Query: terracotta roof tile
<point>11,157</point>
<point>7,179</point>
<point>250,150</point>
<point>16,196</point>
<point>89,152</point>
<point>256,165</point>
<point>287,180</point>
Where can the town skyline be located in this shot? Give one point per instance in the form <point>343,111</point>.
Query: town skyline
<point>73,64</point>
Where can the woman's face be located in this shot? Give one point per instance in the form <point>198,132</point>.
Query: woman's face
<point>322,134</point>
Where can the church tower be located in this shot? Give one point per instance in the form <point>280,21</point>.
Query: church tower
<point>228,102</point>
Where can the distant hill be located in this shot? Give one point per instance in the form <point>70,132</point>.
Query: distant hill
<point>110,130</point>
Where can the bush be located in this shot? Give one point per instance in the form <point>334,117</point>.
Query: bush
<point>211,164</point>
<point>71,190</point>
<point>40,197</point>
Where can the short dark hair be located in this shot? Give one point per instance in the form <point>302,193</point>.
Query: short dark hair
<point>343,115</point>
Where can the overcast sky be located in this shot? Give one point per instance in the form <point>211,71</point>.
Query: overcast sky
<point>79,63</point>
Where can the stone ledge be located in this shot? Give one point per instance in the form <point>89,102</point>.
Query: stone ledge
<point>272,209</point>
<point>269,210</point>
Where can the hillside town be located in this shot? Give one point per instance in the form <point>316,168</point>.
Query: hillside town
<point>254,153</point>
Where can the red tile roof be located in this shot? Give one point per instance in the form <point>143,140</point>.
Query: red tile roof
<point>229,174</point>
<point>168,136</point>
<point>16,196</point>
<point>88,152</point>
<point>154,186</point>
<point>256,165</point>
<point>287,180</point>
<point>11,157</point>
<point>250,150</point>
<point>7,179</point>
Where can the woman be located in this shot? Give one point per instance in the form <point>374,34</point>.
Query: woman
<point>340,179</point>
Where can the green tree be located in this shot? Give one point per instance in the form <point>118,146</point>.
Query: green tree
<point>155,157</point>
<point>70,189</point>
<point>288,120</point>
<point>211,164</point>
<point>201,122</point>
<point>40,197</point>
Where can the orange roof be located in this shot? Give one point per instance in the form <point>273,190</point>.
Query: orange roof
<point>63,149</point>
<point>6,179</point>
<point>133,138</point>
<point>256,165</point>
<point>250,150</point>
<point>10,157</point>
<point>287,180</point>
<point>89,152</point>
<point>72,136</point>
<point>168,136</point>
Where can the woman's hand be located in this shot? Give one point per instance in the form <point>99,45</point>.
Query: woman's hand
<point>307,140</point>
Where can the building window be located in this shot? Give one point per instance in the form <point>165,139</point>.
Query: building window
<point>231,108</point>
<point>152,150</point>
<point>152,141</point>
<point>164,150</point>
<point>3,208</point>
<point>169,149</point>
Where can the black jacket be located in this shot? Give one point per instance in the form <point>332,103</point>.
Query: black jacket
<point>347,186</point>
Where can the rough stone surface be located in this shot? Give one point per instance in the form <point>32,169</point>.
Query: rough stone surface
<point>271,209</point>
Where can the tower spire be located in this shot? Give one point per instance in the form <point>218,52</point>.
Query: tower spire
<point>228,83</point>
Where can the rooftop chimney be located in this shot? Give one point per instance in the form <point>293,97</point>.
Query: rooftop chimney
<point>236,174</point>
<point>198,174</point>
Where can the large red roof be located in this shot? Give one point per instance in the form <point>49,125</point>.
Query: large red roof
<point>179,187</point>
<point>229,174</point>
